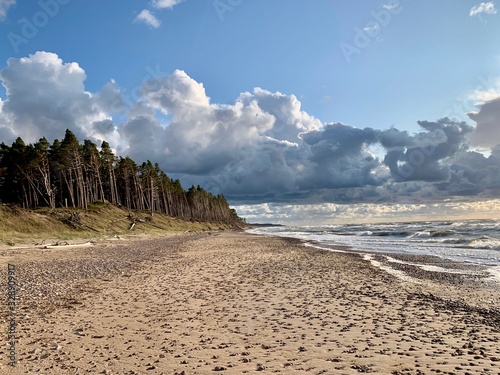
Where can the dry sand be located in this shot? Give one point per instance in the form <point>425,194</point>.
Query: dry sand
<point>236,303</point>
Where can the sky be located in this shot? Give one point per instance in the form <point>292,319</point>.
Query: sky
<point>297,111</point>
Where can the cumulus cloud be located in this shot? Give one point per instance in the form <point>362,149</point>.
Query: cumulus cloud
<point>4,7</point>
<point>483,8</point>
<point>45,96</point>
<point>147,17</point>
<point>175,92</point>
<point>263,147</point>
<point>253,146</point>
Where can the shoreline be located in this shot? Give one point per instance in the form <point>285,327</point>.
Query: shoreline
<point>423,267</point>
<point>235,303</point>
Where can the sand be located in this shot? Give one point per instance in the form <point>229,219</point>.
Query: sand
<point>237,303</point>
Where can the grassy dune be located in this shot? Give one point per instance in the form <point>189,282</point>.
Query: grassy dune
<point>19,226</point>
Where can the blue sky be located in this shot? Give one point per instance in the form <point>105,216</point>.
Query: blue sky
<point>365,64</point>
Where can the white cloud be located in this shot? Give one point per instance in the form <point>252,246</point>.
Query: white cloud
<point>201,136</point>
<point>372,29</point>
<point>391,5</point>
<point>175,92</point>
<point>489,90</point>
<point>250,147</point>
<point>45,96</point>
<point>486,8</point>
<point>148,18</point>
<point>4,7</point>
<point>165,4</point>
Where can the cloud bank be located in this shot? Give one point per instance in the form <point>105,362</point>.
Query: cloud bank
<point>262,147</point>
<point>332,213</point>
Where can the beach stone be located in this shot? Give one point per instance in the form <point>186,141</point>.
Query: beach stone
<point>260,367</point>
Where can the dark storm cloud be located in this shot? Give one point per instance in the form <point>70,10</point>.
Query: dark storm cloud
<point>338,157</point>
<point>420,157</point>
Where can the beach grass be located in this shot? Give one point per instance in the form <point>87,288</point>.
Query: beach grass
<point>19,226</point>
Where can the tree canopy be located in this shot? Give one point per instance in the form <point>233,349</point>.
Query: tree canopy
<point>70,174</point>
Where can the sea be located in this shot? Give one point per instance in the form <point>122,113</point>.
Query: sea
<point>470,242</point>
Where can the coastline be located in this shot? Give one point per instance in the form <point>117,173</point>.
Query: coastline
<point>235,302</point>
<point>417,268</point>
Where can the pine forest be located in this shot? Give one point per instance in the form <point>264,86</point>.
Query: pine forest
<point>69,174</point>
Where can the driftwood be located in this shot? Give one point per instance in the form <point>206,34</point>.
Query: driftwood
<point>74,220</point>
<point>42,245</point>
<point>66,244</point>
<point>135,220</point>
<point>60,243</point>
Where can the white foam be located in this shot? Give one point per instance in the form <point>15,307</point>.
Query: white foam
<point>431,268</point>
<point>324,248</point>
<point>391,271</point>
<point>392,260</point>
<point>495,273</point>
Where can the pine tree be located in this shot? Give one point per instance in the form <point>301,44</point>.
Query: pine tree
<point>40,165</point>
<point>108,161</point>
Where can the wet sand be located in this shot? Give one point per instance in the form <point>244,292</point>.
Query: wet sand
<point>237,303</point>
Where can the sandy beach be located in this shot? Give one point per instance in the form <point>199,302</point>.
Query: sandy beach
<point>237,303</point>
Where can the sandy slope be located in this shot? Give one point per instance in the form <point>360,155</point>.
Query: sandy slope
<point>236,303</point>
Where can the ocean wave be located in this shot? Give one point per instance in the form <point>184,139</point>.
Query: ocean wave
<point>393,234</point>
<point>433,233</point>
<point>346,233</point>
<point>495,273</point>
<point>488,244</point>
<point>472,241</point>
<point>456,241</point>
